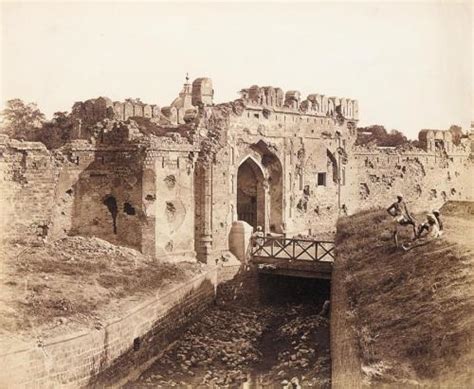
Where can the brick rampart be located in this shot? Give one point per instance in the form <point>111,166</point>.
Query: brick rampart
<point>88,358</point>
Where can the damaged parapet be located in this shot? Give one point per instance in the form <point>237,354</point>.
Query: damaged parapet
<point>182,110</point>
<point>315,104</point>
<point>95,110</point>
<point>443,141</point>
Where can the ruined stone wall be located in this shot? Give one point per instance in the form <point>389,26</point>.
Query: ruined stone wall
<point>155,194</point>
<point>169,201</point>
<point>125,194</point>
<point>274,99</point>
<point>50,194</point>
<point>426,179</point>
<point>94,110</point>
<point>28,177</point>
<point>107,195</point>
<point>290,150</point>
<point>315,203</point>
<point>224,198</point>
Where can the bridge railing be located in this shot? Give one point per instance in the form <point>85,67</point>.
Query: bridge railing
<point>292,249</point>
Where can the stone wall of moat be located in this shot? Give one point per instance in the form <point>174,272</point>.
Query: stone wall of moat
<point>80,359</point>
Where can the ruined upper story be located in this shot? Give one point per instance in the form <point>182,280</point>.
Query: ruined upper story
<point>442,140</point>
<point>291,102</point>
<point>267,106</point>
<point>435,148</point>
<point>266,111</point>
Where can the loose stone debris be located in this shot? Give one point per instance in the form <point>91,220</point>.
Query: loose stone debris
<point>233,345</point>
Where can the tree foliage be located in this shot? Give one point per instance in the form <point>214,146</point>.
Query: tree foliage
<point>58,131</point>
<point>379,136</point>
<point>21,120</point>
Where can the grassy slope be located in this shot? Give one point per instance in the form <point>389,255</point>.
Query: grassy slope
<point>413,311</point>
<point>76,279</point>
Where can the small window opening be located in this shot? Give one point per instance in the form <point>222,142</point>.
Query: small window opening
<point>321,179</point>
<point>256,115</point>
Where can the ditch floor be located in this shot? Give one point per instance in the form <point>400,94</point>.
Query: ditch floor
<point>270,334</point>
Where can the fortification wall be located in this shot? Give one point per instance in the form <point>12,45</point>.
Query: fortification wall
<point>427,180</point>
<point>168,200</point>
<point>315,104</point>
<point>224,207</point>
<point>145,191</point>
<point>107,195</point>
<point>95,110</point>
<point>125,194</point>
<point>105,355</point>
<point>305,191</point>
<point>28,177</point>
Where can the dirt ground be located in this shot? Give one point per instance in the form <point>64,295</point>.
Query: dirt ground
<point>413,311</point>
<point>74,283</point>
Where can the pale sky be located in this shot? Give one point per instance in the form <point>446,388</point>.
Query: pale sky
<point>409,64</point>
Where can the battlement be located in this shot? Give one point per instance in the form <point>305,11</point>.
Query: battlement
<point>314,104</point>
<point>201,93</point>
<point>442,140</point>
<point>94,110</point>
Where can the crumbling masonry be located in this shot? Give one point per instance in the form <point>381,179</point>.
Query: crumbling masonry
<point>171,181</point>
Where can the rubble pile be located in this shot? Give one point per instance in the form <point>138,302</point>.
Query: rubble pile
<point>73,279</point>
<point>234,344</point>
<point>304,355</point>
<point>217,350</point>
<point>81,254</point>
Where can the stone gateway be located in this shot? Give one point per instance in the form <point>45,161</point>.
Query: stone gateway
<point>170,181</point>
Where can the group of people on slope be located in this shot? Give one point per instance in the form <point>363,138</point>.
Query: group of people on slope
<point>430,229</point>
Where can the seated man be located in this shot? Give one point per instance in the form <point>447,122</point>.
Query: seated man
<point>433,233</point>
<point>401,217</point>
<point>425,226</point>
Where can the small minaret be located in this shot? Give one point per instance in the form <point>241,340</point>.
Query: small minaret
<point>186,94</point>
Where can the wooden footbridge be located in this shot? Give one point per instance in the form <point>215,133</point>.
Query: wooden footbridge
<point>293,257</point>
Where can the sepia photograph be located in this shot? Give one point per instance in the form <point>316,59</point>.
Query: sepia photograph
<point>236,194</point>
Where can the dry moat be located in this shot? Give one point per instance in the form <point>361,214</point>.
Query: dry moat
<point>254,336</point>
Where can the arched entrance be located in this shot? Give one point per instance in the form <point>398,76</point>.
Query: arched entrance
<point>260,191</point>
<point>251,193</point>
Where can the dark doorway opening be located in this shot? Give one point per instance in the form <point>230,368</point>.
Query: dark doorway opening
<point>111,203</point>
<point>250,194</point>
